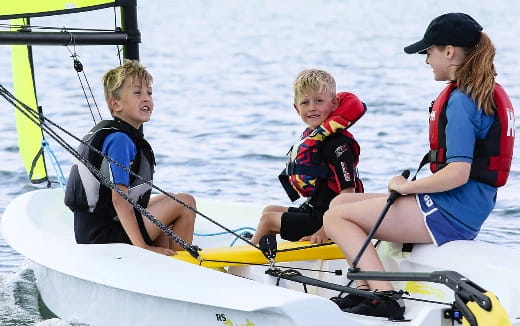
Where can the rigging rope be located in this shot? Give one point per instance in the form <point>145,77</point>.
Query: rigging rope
<point>116,28</point>
<point>43,122</point>
<point>78,67</point>
<point>40,121</point>
<point>335,272</point>
<point>57,167</point>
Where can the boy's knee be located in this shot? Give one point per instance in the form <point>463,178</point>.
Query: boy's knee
<point>269,221</point>
<point>268,209</point>
<point>190,200</point>
<point>187,199</point>
<point>263,220</point>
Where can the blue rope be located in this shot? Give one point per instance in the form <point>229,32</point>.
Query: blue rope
<point>242,235</point>
<point>55,164</point>
<point>223,232</point>
<point>226,232</point>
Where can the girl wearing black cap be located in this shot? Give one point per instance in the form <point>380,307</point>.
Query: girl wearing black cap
<point>471,146</point>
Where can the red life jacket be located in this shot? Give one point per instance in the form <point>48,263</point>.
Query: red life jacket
<point>305,167</point>
<point>492,155</point>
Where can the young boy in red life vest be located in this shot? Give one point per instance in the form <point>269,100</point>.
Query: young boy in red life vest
<point>322,164</point>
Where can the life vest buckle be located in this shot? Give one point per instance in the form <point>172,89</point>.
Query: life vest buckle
<point>434,156</point>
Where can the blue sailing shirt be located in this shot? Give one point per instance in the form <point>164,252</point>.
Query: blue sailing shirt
<point>469,205</point>
<point>120,147</point>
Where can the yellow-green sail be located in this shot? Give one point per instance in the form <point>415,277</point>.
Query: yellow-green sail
<point>19,11</point>
<point>31,8</point>
<point>30,135</point>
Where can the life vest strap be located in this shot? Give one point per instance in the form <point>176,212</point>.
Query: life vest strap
<point>434,156</point>
<point>287,186</point>
<point>317,171</point>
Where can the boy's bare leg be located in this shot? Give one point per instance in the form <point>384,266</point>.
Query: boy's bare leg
<point>270,222</point>
<point>174,215</point>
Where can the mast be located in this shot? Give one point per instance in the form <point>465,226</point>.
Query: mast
<point>129,24</point>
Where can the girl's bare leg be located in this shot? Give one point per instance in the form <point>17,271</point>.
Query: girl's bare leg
<point>346,198</point>
<point>349,224</point>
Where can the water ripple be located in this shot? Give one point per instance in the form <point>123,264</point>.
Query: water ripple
<point>224,117</point>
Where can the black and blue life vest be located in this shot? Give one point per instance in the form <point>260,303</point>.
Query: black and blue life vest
<point>86,193</point>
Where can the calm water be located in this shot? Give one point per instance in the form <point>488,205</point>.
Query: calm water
<point>223,117</point>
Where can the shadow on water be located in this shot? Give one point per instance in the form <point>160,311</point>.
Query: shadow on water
<point>21,303</point>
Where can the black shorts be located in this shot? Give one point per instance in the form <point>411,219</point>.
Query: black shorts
<point>301,221</point>
<point>93,228</point>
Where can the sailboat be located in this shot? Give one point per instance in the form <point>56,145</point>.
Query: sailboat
<point>227,282</point>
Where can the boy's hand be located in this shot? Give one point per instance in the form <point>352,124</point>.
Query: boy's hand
<point>318,237</point>
<point>161,250</point>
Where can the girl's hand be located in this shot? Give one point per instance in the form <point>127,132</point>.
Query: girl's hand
<point>318,237</point>
<point>398,183</point>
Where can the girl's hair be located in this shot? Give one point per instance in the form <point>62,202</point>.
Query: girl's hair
<point>476,76</point>
<point>314,80</point>
<point>114,79</point>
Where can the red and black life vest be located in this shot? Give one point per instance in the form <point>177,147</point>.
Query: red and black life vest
<point>306,167</point>
<point>492,155</point>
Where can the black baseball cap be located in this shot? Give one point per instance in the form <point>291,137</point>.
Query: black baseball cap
<point>455,29</point>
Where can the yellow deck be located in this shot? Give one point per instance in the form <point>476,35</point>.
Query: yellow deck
<point>245,255</point>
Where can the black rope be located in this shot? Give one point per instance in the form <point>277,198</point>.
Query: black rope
<point>290,272</point>
<point>427,301</point>
<point>39,120</point>
<point>307,247</point>
<point>153,185</point>
<point>335,272</point>
<point>118,48</point>
<point>78,67</point>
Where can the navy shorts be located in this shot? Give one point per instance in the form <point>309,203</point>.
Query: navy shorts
<point>94,228</point>
<point>441,229</point>
<point>301,221</point>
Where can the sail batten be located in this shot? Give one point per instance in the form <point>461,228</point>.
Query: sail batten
<point>32,8</point>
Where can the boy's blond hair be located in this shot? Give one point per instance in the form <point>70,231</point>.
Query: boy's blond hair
<point>314,80</point>
<point>114,79</point>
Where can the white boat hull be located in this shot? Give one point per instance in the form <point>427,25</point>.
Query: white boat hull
<point>118,284</point>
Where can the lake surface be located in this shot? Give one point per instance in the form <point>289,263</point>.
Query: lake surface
<point>223,117</point>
